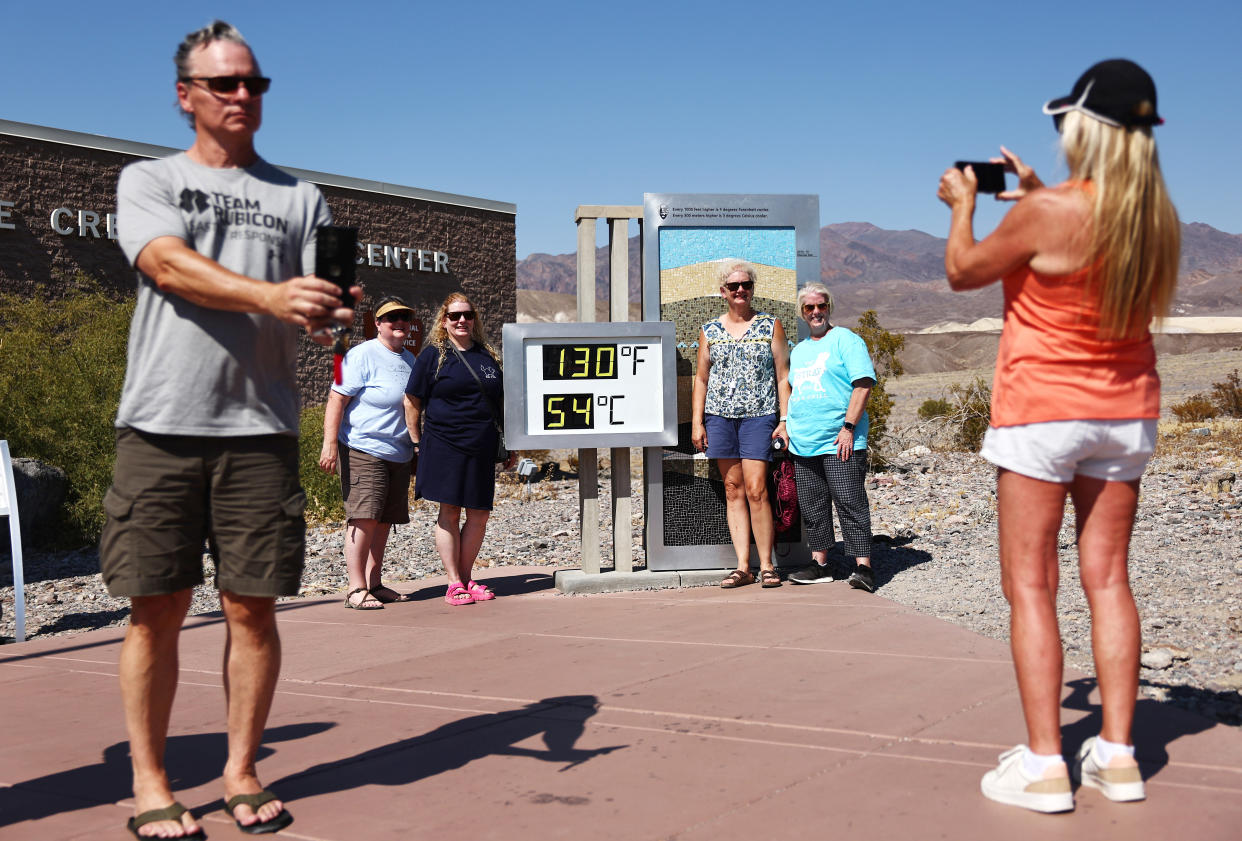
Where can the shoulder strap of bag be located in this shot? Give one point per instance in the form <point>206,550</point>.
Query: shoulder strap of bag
<point>490,405</point>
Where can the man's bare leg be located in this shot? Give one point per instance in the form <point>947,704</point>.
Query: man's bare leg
<point>251,668</point>
<point>149,672</point>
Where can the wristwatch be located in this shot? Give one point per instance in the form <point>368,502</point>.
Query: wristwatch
<point>848,425</point>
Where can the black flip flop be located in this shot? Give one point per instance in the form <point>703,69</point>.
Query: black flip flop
<point>168,813</point>
<point>254,801</point>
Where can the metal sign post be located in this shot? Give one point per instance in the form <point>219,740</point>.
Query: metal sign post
<point>8,507</point>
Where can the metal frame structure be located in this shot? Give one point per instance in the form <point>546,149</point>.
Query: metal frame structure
<point>516,396</point>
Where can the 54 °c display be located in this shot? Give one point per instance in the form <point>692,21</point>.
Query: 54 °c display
<point>587,383</point>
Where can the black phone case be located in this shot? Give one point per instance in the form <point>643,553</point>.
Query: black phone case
<point>335,250</point>
<point>991,177</point>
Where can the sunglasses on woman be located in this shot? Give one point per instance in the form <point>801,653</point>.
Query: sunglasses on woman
<point>394,317</point>
<point>740,284</point>
<point>458,316</point>
<point>256,85</point>
<point>814,307</point>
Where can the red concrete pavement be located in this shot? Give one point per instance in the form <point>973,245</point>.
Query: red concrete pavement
<point>802,712</point>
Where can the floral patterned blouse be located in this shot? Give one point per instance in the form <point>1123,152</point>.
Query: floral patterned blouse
<point>742,380</point>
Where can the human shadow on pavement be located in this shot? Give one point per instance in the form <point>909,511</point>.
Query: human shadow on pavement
<point>1156,725</point>
<point>191,761</point>
<point>502,585</point>
<point>560,721</point>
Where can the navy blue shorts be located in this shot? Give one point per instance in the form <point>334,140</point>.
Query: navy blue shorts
<point>740,437</point>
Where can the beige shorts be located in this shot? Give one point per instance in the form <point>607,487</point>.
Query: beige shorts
<point>374,489</point>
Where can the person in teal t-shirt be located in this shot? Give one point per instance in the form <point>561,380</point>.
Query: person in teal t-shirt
<point>830,375</point>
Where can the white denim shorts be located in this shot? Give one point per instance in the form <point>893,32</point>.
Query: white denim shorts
<point>1057,451</point>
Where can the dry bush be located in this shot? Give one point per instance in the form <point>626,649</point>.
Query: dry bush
<point>934,407</point>
<point>1194,409</point>
<point>1227,395</point>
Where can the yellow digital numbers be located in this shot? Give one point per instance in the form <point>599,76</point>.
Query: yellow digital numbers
<point>568,411</point>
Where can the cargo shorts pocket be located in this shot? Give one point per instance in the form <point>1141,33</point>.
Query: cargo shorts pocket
<point>293,530</point>
<point>113,539</point>
<point>118,507</point>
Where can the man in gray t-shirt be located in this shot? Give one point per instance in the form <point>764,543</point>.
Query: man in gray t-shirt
<point>224,245</point>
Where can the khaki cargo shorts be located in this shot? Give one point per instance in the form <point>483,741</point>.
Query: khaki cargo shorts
<point>374,489</point>
<point>170,493</point>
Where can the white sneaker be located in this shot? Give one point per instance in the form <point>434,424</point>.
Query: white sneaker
<point>1120,780</point>
<point>1009,784</point>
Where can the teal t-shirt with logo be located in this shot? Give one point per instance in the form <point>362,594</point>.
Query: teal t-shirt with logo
<point>822,374</point>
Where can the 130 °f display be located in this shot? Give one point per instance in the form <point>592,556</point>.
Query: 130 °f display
<point>584,385</point>
<point>580,362</point>
<point>622,377</point>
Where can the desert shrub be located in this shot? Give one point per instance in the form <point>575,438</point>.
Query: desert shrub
<point>323,490</point>
<point>1195,408</point>
<point>972,411</point>
<point>1227,395</point>
<point>935,408</point>
<point>883,347</point>
<point>62,364</point>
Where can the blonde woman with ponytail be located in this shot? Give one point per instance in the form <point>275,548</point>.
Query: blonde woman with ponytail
<point>1085,266</point>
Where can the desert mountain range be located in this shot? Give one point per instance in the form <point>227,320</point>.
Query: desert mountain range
<point>900,274</point>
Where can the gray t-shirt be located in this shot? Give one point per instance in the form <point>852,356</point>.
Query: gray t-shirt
<point>199,371</point>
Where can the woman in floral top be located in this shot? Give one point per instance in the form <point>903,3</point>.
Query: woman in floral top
<point>740,382</point>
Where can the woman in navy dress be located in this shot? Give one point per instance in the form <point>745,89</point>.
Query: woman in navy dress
<point>453,424</point>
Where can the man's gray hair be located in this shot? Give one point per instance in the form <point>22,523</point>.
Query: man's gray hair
<point>815,288</point>
<point>217,30</point>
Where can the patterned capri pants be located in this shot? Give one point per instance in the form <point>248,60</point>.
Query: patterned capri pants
<point>825,481</point>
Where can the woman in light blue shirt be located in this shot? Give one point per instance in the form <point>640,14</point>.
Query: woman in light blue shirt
<point>366,414</point>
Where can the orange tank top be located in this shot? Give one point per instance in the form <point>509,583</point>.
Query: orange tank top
<point>1053,365</point>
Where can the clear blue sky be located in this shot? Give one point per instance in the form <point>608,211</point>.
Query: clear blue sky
<point>551,104</point>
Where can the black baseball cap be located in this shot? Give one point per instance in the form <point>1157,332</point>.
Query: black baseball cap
<point>1117,92</point>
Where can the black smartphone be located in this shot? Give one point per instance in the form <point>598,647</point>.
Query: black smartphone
<point>335,252</point>
<point>991,176</point>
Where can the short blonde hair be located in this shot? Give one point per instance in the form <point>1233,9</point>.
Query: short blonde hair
<point>730,267</point>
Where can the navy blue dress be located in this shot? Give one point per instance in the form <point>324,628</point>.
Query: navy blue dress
<point>457,450</point>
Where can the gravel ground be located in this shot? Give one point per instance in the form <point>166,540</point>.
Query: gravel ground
<point>934,517</point>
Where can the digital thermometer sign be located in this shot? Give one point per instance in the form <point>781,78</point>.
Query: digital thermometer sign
<point>608,384</point>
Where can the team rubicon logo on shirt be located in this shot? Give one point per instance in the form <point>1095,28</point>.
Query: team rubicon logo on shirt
<point>191,199</point>
<point>230,210</point>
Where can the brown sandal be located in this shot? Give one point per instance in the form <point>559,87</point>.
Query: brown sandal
<point>367,602</point>
<point>770,578</point>
<point>737,578</point>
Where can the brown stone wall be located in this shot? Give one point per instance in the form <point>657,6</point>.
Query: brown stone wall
<point>40,176</point>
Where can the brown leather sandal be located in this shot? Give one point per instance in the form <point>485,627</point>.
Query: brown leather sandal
<point>367,602</point>
<point>737,578</point>
<point>769,578</point>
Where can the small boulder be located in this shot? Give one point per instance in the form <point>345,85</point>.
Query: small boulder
<point>1157,659</point>
<point>41,490</point>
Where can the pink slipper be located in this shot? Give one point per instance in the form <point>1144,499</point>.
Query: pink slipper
<point>457,595</point>
<point>479,592</point>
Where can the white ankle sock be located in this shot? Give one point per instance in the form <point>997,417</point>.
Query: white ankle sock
<point>1106,750</point>
<point>1035,764</point>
